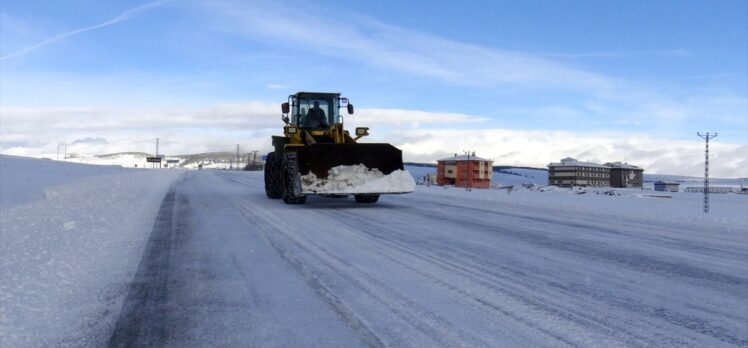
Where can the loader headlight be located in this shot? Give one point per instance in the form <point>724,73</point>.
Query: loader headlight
<point>361,131</point>
<point>292,130</point>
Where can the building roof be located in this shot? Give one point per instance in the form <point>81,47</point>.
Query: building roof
<point>464,158</point>
<point>568,161</point>
<point>666,183</point>
<point>621,165</point>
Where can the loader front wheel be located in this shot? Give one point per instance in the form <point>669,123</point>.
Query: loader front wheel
<point>272,177</point>
<point>291,185</point>
<point>366,198</point>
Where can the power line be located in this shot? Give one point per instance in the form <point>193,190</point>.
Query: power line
<point>706,137</point>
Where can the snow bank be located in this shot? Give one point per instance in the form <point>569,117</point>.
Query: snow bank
<point>66,258</point>
<point>358,179</point>
<point>23,179</point>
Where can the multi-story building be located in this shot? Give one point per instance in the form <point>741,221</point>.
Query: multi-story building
<point>625,175</point>
<point>571,172</point>
<point>464,171</point>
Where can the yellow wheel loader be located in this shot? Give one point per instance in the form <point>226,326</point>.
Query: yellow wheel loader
<point>317,156</point>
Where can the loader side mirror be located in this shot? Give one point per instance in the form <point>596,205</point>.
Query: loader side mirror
<point>284,108</point>
<point>350,109</point>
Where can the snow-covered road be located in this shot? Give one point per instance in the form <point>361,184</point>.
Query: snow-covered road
<point>225,266</point>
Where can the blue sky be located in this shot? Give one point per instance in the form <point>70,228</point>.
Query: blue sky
<point>605,81</point>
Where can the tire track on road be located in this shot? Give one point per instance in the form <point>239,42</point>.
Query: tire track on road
<point>145,318</point>
<point>688,322</point>
<point>420,318</point>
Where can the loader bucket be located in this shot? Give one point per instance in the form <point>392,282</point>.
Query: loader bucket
<point>319,158</point>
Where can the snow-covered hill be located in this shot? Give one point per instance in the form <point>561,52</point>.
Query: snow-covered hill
<point>649,179</point>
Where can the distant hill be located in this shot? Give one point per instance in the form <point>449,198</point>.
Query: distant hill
<point>193,160</point>
<point>217,160</point>
<point>121,154</point>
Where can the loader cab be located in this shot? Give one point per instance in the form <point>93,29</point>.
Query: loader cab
<point>303,102</point>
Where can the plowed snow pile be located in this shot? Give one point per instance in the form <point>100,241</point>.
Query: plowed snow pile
<point>358,179</point>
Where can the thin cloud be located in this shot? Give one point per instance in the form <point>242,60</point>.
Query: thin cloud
<point>225,116</point>
<point>133,12</point>
<point>368,41</point>
<point>622,54</point>
<point>411,118</point>
<point>276,86</point>
<point>377,44</point>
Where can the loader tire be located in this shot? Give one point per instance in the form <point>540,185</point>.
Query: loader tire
<point>366,198</point>
<point>272,177</point>
<point>291,185</point>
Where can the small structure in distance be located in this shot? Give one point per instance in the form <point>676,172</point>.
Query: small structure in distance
<point>666,186</point>
<point>714,189</point>
<point>464,171</point>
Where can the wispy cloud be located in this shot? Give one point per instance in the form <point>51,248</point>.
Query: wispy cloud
<point>622,54</point>
<point>364,40</point>
<point>133,12</point>
<point>248,115</point>
<point>276,86</point>
<point>377,44</point>
<point>412,118</point>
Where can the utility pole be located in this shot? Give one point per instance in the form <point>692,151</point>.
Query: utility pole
<point>238,159</point>
<point>65,152</point>
<point>706,137</point>
<point>159,163</point>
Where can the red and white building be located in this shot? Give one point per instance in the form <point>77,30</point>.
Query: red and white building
<point>464,171</point>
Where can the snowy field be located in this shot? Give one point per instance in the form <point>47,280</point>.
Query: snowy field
<point>176,258</point>
<point>71,237</point>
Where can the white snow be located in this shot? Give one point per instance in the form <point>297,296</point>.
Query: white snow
<point>441,266</point>
<point>24,179</point>
<point>728,211</point>
<point>71,239</point>
<point>358,179</point>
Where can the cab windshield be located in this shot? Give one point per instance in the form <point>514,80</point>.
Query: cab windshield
<point>315,112</point>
